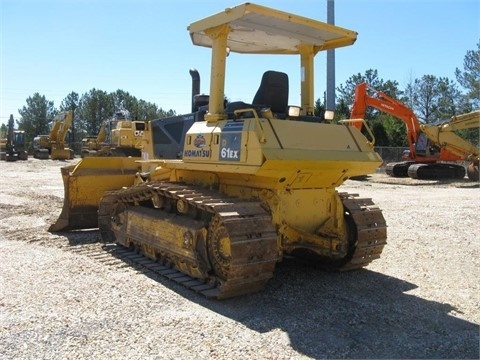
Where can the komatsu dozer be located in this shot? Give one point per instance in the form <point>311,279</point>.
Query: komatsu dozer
<point>255,182</point>
<point>118,136</point>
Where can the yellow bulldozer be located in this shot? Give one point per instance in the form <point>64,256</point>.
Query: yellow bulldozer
<point>118,136</point>
<point>54,145</point>
<point>255,182</point>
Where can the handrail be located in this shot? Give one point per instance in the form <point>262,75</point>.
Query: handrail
<point>348,121</point>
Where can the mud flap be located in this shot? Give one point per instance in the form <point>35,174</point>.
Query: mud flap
<point>84,185</point>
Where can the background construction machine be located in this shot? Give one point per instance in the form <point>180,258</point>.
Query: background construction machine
<point>91,144</point>
<point>448,136</point>
<point>256,181</point>
<point>54,145</point>
<point>118,136</point>
<point>437,162</point>
<point>13,147</point>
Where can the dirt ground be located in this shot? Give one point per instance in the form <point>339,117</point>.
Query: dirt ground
<point>63,296</point>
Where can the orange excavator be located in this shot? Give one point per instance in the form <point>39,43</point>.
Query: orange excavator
<point>436,161</point>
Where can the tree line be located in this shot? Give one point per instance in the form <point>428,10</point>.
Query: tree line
<point>90,111</point>
<point>431,98</point>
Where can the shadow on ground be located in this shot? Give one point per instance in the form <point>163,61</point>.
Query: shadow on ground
<point>359,314</point>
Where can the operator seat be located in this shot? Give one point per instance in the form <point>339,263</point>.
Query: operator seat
<point>273,92</point>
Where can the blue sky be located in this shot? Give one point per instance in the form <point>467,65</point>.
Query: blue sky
<point>54,47</point>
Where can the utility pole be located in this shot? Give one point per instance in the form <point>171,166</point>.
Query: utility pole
<point>330,103</point>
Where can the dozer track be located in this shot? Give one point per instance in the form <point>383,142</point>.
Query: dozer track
<point>239,255</point>
<point>370,231</point>
<point>234,249</point>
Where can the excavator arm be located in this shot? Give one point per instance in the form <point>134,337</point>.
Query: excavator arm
<point>102,134</point>
<point>385,103</point>
<point>60,128</point>
<point>59,131</point>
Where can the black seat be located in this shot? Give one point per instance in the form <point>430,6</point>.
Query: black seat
<point>273,91</point>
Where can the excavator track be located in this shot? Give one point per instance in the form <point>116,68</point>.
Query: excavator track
<point>246,265</point>
<point>436,171</point>
<point>398,169</point>
<point>425,171</point>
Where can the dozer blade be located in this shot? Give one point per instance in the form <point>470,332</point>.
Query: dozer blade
<point>84,185</point>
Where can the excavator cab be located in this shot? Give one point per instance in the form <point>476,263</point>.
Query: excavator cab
<point>19,139</point>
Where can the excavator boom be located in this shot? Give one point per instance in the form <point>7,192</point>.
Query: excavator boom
<point>58,134</point>
<point>381,101</point>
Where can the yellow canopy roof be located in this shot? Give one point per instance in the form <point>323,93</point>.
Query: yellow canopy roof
<point>257,29</point>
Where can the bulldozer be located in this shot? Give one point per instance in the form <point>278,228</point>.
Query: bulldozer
<point>53,145</point>
<point>12,148</point>
<point>256,182</point>
<point>118,136</point>
<point>91,144</point>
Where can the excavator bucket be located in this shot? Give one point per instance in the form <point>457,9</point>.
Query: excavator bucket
<point>84,185</point>
<point>61,154</point>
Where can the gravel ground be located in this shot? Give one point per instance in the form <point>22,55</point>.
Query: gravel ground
<point>63,297</point>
